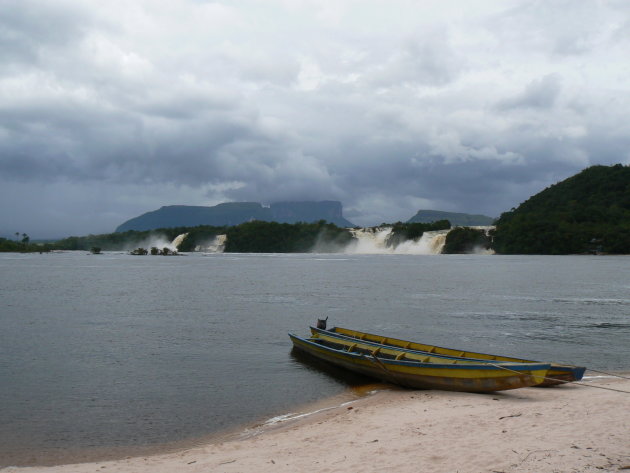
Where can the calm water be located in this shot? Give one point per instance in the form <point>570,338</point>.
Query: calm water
<point>117,350</point>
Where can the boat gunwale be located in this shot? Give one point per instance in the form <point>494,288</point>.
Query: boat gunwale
<point>490,355</point>
<point>501,358</point>
<point>349,338</point>
<point>498,367</point>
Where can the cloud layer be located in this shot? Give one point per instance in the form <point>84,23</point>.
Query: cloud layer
<point>110,109</point>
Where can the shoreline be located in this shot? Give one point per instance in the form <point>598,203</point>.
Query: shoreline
<point>82,455</point>
<point>565,428</point>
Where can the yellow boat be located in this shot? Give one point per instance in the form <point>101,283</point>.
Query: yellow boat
<point>557,374</point>
<point>421,371</point>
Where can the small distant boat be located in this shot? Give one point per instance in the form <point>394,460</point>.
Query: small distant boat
<point>421,371</point>
<point>557,374</point>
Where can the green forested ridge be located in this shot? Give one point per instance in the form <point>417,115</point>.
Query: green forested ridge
<point>588,212</point>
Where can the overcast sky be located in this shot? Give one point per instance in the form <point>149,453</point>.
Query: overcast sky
<point>109,109</point>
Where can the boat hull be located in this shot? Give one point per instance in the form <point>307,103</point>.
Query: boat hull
<point>469,377</point>
<point>557,374</point>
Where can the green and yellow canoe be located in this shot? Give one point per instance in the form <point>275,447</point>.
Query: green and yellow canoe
<point>421,371</point>
<point>557,374</point>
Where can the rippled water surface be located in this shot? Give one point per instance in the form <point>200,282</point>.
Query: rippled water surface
<point>117,350</point>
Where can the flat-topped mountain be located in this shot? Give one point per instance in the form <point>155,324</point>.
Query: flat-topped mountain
<point>456,219</point>
<point>235,213</point>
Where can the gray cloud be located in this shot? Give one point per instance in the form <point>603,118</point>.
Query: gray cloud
<point>108,110</point>
<point>541,93</point>
<point>32,30</point>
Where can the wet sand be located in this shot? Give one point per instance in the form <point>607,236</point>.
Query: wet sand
<point>571,428</point>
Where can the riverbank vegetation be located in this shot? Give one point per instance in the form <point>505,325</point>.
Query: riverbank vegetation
<point>23,244</point>
<point>586,213</point>
<point>118,241</point>
<point>254,237</point>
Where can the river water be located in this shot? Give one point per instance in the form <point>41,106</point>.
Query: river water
<point>113,350</point>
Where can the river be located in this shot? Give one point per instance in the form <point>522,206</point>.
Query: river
<point>113,350</point>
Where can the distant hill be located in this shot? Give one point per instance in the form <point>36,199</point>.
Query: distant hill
<point>235,213</point>
<point>456,219</point>
<point>586,213</point>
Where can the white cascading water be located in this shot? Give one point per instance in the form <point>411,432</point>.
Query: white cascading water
<point>177,241</point>
<point>374,241</point>
<point>216,245</point>
<point>371,240</point>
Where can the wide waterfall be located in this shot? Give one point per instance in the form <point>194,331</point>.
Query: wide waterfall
<point>369,240</point>
<point>373,240</point>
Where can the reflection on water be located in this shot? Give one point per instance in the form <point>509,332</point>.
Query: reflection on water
<point>345,377</point>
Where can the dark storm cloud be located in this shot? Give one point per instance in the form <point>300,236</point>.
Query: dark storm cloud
<point>111,109</point>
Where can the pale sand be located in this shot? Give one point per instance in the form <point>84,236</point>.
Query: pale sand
<point>565,429</point>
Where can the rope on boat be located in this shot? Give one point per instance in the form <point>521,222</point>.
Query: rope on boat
<point>609,374</point>
<point>599,387</point>
<point>391,374</point>
<point>568,382</point>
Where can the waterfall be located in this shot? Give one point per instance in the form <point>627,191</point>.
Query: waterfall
<point>216,245</point>
<point>373,240</point>
<point>483,251</point>
<point>177,241</point>
<point>430,243</point>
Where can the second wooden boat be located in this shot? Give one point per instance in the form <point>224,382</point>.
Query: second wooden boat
<point>557,374</point>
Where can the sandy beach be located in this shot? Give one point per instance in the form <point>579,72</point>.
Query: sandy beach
<point>572,428</point>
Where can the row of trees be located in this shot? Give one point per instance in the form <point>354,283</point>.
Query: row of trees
<point>23,244</point>
<point>254,237</point>
<point>250,237</point>
<point>117,241</point>
<point>273,237</point>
